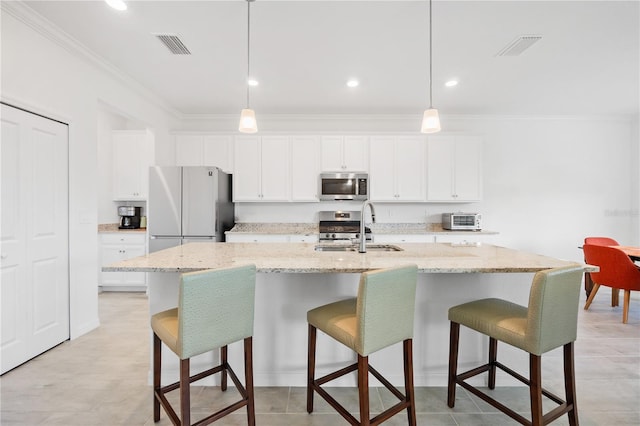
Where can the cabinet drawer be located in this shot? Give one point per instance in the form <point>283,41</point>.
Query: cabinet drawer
<point>124,238</point>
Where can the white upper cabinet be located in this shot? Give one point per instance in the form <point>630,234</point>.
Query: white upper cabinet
<point>345,153</point>
<point>262,168</point>
<point>305,168</point>
<point>133,153</point>
<point>397,168</point>
<point>454,168</point>
<point>204,150</point>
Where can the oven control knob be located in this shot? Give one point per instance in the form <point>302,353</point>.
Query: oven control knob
<point>333,235</point>
<point>358,236</point>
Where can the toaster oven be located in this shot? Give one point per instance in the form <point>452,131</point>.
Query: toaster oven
<point>462,221</point>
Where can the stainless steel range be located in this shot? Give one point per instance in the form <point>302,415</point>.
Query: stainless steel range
<point>340,226</point>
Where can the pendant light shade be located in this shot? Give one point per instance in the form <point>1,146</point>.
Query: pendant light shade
<point>248,123</point>
<point>430,121</point>
<point>430,118</point>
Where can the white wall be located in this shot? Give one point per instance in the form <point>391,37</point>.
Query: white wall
<point>41,75</point>
<point>548,181</point>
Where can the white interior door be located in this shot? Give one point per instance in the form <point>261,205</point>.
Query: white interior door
<point>34,292</point>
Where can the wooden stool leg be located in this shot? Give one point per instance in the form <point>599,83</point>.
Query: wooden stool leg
<point>408,381</point>
<point>570,383</point>
<point>535,389</point>
<point>311,367</point>
<point>363,389</point>
<point>223,362</point>
<point>157,359</point>
<point>185,398</point>
<point>453,363</point>
<point>594,290</point>
<point>615,297</point>
<point>493,353</point>
<point>248,379</point>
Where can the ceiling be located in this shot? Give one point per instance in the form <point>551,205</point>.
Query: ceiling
<point>303,52</point>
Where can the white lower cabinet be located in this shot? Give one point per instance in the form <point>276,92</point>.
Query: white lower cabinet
<point>402,238</point>
<point>116,247</point>
<point>470,238</point>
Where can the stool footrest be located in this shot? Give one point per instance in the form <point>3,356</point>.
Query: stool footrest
<point>385,415</point>
<point>562,409</point>
<point>225,367</point>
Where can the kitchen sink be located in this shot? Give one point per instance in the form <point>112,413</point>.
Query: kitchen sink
<point>370,247</point>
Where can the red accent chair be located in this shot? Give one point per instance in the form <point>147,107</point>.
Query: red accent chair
<point>588,282</point>
<point>616,271</point>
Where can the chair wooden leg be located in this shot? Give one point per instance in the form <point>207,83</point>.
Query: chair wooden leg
<point>625,306</point>
<point>185,394</point>
<point>493,353</point>
<point>594,290</point>
<point>535,389</point>
<point>248,380</point>
<point>570,383</point>
<point>363,389</point>
<point>407,346</point>
<point>157,359</point>
<point>453,363</point>
<point>223,373</point>
<point>311,367</point>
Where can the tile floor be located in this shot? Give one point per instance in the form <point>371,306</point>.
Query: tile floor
<point>100,379</point>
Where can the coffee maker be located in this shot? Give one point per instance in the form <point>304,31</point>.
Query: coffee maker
<point>129,217</point>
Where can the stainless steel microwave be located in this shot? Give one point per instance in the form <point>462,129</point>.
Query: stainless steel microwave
<point>344,186</point>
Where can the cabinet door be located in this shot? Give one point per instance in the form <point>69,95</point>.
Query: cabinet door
<point>382,172</point>
<point>133,278</point>
<point>305,168</point>
<point>246,179</point>
<point>189,150</point>
<point>132,155</point>
<point>332,154</point>
<point>275,177</point>
<point>410,168</point>
<point>111,254</point>
<point>356,153</point>
<point>126,173</point>
<point>440,173</point>
<point>468,169</point>
<point>217,151</point>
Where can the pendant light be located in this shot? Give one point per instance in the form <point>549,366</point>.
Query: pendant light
<point>248,122</point>
<point>430,119</point>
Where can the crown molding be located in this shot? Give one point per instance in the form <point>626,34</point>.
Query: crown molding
<point>44,27</point>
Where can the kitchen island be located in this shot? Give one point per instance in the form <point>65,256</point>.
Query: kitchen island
<point>293,278</point>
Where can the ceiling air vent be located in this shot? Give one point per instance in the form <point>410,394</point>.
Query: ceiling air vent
<point>519,45</point>
<point>173,43</point>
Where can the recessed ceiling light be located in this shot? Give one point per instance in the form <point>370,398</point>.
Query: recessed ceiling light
<point>353,83</point>
<point>252,82</point>
<point>117,4</point>
<point>451,83</point>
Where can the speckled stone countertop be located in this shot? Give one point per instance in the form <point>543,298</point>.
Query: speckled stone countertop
<point>104,228</point>
<point>376,228</point>
<point>302,258</point>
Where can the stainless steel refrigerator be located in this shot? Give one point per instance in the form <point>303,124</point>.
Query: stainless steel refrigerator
<point>188,204</point>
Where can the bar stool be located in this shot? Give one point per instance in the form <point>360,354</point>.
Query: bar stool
<point>380,316</point>
<point>550,321</point>
<point>215,308</point>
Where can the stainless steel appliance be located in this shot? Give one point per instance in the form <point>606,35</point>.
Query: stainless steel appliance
<point>462,221</point>
<point>129,217</point>
<point>188,204</point>
<point>340,226</point>
<point>344,186</point>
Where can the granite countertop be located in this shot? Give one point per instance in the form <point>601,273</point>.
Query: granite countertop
<point>376,228</point>
<point>302,258</point>
<point>104,228</point>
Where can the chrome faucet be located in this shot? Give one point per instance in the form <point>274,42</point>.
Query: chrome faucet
<point>363,236</point>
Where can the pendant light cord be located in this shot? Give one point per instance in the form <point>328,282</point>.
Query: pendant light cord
<point>430,59</point>
<point>248,49</point>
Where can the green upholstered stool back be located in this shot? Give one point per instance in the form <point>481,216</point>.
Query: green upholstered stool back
<point>552,315</point>
<point>385,308</point>
<point>215,308</point>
